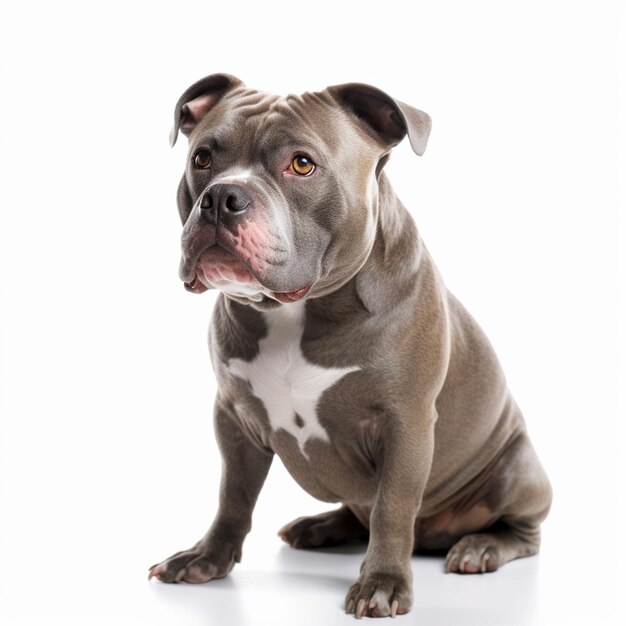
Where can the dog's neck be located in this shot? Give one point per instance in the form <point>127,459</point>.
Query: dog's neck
<point>386,277</point>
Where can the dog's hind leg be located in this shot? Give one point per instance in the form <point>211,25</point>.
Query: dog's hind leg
<point>327,529</point>
<point>496,523</point>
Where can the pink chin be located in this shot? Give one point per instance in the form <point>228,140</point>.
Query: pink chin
<point>218,268</point>
<point>291,296</point>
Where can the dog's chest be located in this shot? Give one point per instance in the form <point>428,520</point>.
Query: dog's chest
<point>287,384</point>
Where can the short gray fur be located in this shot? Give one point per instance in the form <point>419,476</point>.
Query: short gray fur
<point>418,437</point>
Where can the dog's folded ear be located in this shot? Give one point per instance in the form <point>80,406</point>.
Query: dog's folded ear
<point>198,100</point>
<point>389,119</point>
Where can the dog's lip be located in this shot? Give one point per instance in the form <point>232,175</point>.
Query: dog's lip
<point>218,255</point>
<point>291,296</point>
<point>195,286</point>
<point>189,265</point>
<point>217,266</point>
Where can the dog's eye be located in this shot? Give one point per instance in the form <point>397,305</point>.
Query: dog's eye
<point>302,165</point>
<point>202,160</point>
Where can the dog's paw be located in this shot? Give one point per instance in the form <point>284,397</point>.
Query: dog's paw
<point>473,554</point>
<point>380,595</point>
<point>192,566</point>
<point>327,529</point>
<point>304,532</point>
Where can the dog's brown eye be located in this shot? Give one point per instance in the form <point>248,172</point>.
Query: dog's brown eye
<point>202,160</point>
<point>302,165</point>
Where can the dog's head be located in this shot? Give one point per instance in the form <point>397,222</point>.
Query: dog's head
<point>279,199</point>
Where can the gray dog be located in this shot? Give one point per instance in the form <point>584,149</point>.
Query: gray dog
<point>337,346</point>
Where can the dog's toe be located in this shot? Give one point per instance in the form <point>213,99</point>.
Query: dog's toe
<point>379,595</point>
<point>471,555</point>
<point>192,566</point>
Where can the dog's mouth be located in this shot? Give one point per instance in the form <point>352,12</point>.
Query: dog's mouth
<point>217,268</point>
<point>291,296</point>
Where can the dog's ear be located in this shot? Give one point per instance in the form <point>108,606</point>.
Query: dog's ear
<point>198,100</point>
<point>390,119</point>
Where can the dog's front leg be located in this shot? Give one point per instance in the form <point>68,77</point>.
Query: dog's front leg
<point>384,585</point>
<point>244,469</point>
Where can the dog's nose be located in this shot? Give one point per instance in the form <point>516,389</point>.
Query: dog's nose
<point>222,201</point>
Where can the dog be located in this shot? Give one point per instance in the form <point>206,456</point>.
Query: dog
<point>337,346</point>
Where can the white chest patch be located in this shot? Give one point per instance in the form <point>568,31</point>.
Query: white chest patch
<point>288,385</point>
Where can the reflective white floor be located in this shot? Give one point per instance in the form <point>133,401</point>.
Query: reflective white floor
<point>278,585</point>
<point>311,587</point>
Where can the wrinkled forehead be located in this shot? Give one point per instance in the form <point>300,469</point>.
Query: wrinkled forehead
<point>247,120</point>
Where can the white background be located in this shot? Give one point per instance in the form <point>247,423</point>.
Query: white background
<point>108,462</point>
